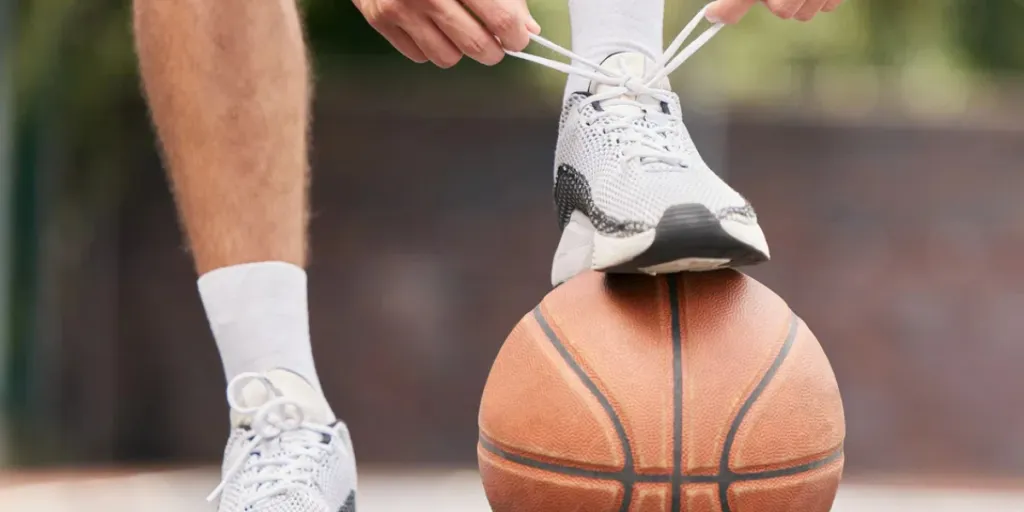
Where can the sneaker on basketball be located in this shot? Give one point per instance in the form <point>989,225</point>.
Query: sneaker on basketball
<point>286,451</point>
<point>632,191</point>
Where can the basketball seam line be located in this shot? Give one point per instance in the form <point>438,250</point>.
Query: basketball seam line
<point>737,422</point>
<point>677,392</point>
<point>628,476</point>
<point>620,429</point>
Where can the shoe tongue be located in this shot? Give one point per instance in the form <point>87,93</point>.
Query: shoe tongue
<point>290,386</point>
<point>637,66</point>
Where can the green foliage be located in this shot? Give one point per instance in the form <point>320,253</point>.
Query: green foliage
<point>86,46</point>
<point>992,33</point>
<point>335,27</point>
<point>75,71</point>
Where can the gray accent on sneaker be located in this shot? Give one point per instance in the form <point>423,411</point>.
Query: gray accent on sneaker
<point>691,231</point>
<point>350,503</point>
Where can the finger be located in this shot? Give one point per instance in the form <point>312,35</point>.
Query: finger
<point>831,5</point>
<point>532,25</point>
<point>784,9</point>
<point>509,20</point>
<point>728,11</point>
<point>468,34</point>
<point>809,10</point>
<point>435,45</point>
<point>402,42</point>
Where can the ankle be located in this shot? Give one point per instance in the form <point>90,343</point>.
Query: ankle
<point>259,317</point>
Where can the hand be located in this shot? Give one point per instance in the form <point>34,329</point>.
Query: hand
<point>442,31</point>
<point>730,11</point>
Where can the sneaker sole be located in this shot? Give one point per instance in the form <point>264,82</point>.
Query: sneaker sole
<point>688,238</point>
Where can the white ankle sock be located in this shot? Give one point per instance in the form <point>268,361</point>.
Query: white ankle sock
<point>259,316</point>
<point>603,27</point>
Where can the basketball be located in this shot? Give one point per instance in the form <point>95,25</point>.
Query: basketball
<point>697,392</point>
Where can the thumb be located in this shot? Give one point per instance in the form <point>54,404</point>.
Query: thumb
<point>728,11</point>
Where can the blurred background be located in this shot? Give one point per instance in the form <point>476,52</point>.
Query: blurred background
<point>883,146</point>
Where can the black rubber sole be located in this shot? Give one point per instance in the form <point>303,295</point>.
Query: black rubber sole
<point>691,231</point>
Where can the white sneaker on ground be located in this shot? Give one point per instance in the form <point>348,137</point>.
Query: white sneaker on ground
<point>286,451</point>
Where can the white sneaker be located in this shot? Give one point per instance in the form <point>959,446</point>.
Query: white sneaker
<point>632,191</point>
<point>286,452</point>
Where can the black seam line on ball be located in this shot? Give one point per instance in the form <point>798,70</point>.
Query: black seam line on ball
<point>677,392</point>
<point>730,438</point>
<point>620,430</point>
<point>630,478</point>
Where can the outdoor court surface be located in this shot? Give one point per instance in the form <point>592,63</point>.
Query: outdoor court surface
<point>404,491</point>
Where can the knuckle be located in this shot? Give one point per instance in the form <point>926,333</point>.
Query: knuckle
<point>784,9</point>
<point>475,46</point>
<point>387,10</point>
<point>502,20</point>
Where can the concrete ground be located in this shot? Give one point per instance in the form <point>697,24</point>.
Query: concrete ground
<point>403,491</point>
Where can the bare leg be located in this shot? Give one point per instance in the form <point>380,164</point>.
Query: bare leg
<point>227,82</point>
<point>228,86</point>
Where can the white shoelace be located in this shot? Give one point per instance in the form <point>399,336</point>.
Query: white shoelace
<point>284,451</point>
<point>649,142</point>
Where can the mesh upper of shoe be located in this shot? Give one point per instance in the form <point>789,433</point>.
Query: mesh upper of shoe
<point>601,143</point>
<point>330,478</point>
<point>630,189</point>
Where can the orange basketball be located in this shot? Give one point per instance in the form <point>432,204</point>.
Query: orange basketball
<point>696,392</point>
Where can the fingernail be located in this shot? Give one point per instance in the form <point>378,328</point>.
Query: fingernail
<point>533,26</point>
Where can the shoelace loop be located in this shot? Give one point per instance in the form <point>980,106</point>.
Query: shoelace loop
<point>649,131</point>
<point>284,450</point>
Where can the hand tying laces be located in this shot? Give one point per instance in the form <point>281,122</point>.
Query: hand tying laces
<point>284,450</point>
<point>650,132</point>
